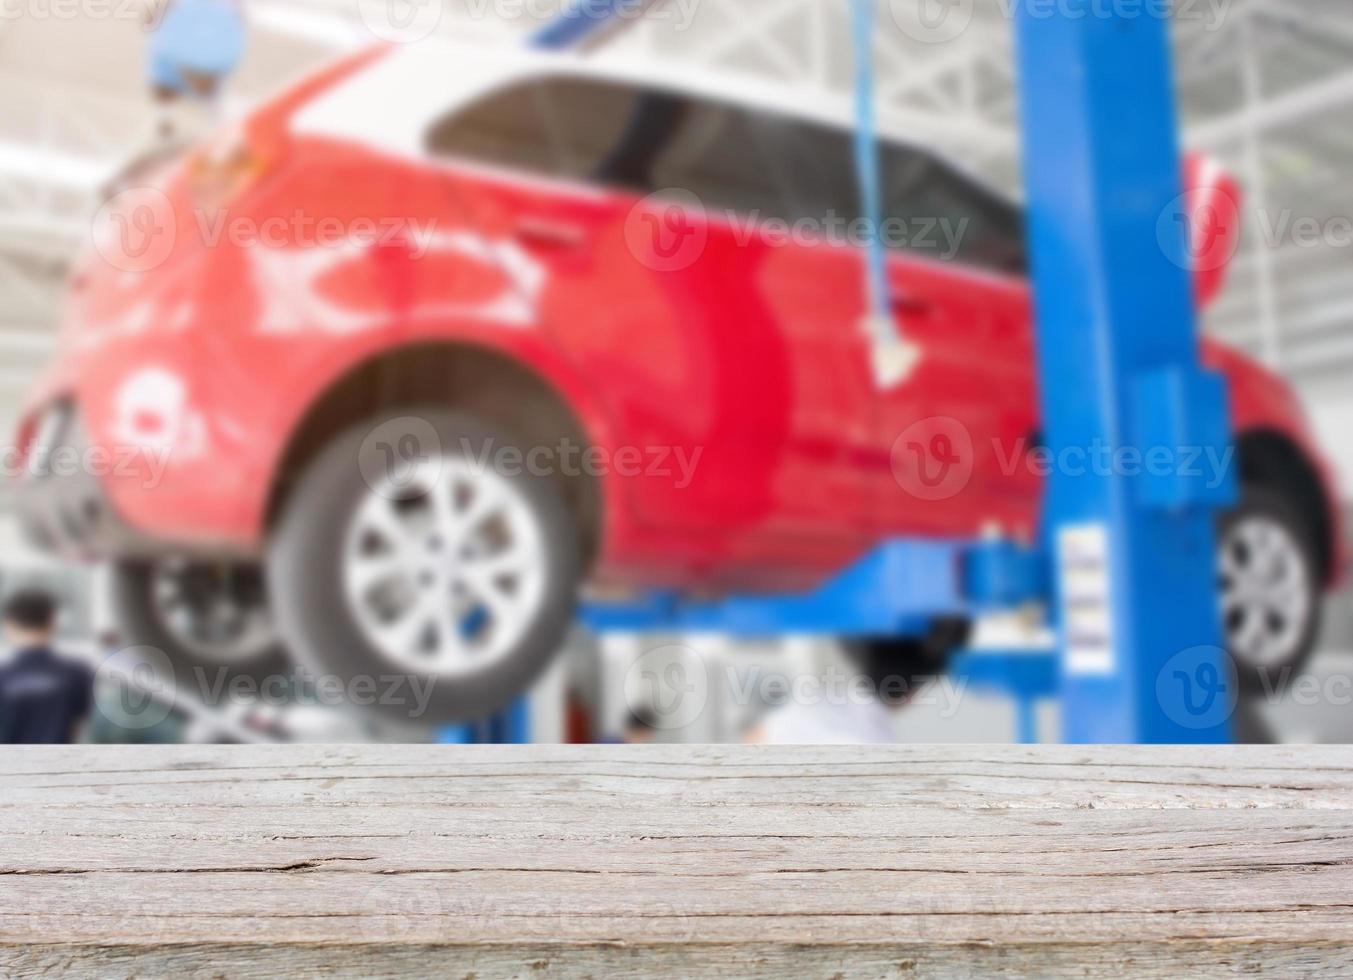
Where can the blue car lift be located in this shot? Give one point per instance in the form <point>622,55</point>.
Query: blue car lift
<point>1127,564</point>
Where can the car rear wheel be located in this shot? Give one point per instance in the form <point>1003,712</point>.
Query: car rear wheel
<point>1270,588</point>
<point>204,616</point>
<point>407,562</point>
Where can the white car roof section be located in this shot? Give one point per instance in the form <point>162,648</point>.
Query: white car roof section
<point>391,103</point>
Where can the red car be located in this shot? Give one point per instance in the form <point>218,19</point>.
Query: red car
<point>439,337</point>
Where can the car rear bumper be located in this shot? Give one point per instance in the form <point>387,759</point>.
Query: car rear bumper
<point>59,500</point>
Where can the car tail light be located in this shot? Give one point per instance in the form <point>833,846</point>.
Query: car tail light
<point>225,168</point>
<point>41,434</point>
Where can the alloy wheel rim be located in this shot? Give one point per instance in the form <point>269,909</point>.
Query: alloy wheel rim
<point>442,567</point>
<point>1265,591</point>
<point>211,613</point>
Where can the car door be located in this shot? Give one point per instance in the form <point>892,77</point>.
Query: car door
<point>956,432</point>
<point>728,356</point>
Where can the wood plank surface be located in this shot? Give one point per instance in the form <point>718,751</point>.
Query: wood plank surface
<point>546,862</point>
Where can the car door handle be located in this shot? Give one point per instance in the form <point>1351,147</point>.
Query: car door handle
<point>909,305</point>
<point>550,233</point>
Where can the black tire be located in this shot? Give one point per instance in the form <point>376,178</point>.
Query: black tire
<point>1260,503</point>
<point>305,575</point>
<point>140,622</point>
<point>910,660</point>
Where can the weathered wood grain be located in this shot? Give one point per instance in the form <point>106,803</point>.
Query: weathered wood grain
<point>536,861</point>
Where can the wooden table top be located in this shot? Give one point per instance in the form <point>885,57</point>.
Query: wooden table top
<point>629,861</point>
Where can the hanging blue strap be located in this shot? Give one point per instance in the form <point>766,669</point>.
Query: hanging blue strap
<point>867,161</point>
<point>579,20</point>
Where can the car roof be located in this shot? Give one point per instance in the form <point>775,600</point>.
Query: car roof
<point>392,102</point>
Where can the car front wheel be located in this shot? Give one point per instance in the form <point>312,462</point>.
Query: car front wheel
<point>1270,589</point>
<point>432,581</point>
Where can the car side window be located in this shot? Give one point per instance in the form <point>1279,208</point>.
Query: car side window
<point>759,164</point>
<point>949,215</point>
<point>646,139</point>
<point>763,165</point>
<point>557,127</point>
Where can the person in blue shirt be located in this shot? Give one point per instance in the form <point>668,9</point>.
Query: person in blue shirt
<point>44,697</point>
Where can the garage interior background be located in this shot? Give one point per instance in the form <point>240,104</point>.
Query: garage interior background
<point>1266,86</point>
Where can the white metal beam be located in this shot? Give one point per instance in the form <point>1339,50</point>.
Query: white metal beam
<point>39,165</point>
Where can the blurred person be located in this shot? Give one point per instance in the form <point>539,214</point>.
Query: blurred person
<point>893,671</point>
<point>44,697</point>
<point>641,728</point>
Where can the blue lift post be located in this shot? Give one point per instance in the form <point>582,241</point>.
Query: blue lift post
<point>1118,360</point>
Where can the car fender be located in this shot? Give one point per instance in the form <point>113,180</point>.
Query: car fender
<point>529,348</point>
